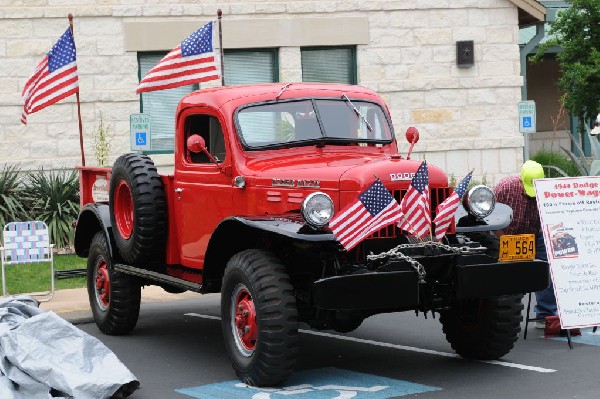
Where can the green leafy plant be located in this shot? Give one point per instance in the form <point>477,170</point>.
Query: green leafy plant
<point>555,164</point>
<point>577,32</point>
<point>11,207</point>
<point>101,142</point>
<point>53,197</point>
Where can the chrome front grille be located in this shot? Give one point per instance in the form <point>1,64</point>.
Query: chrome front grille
<point>436,196</point>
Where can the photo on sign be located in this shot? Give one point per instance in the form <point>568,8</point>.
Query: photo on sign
<point>563,243</point>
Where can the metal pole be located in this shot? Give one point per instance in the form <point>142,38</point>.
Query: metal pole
<point>219,15</point>
<point>70,16</point>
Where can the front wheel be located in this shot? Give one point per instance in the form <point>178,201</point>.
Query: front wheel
<point>114,297</point>
<point>484,328</point>
<point>259,318</point>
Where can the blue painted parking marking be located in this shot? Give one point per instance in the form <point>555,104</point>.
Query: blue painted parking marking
<point>587,337</point>
<point>326,383</point>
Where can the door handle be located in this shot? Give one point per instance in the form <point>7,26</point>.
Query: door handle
<point>178,190</point>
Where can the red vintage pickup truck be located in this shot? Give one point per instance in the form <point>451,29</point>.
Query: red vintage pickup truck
<point>259,171</point>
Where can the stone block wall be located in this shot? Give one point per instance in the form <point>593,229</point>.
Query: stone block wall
<point>467,116</point>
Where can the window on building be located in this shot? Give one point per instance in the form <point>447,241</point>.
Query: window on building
<point>251,66</point>
<point>161,106</point>
<point>329,64</point>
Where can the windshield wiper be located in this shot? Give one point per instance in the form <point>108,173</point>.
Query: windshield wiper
<point>284,88</point>
<point>356,111</point>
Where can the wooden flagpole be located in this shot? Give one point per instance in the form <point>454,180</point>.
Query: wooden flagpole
<point>219,15</point>
<point>70,16</point>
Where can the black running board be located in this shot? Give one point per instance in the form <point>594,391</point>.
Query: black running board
<point>159,277</point>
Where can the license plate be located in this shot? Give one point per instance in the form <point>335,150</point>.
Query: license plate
<point>517,247</point>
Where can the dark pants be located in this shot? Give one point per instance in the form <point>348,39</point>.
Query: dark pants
<point>545,299</point>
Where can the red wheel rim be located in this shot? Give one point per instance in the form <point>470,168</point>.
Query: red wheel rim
<point>244,320</point>
<point>123,209</point>
<point>102,282</point>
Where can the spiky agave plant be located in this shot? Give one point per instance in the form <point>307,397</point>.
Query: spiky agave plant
<point>53,197</point>
<point>11,205</point>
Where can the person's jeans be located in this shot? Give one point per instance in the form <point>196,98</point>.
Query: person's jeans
<point>545,299</point>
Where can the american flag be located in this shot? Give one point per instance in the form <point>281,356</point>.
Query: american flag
<point>192,61</point>
<point>54,78</point>
<point>374,209</point>
<point>415,204</point>
<point>447,209</point>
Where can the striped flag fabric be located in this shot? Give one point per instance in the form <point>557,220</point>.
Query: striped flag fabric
<point>192,61</point>
<point>447,209</point>
<point>415,204</point>
<point>374,209</point>
<point>54,78</point>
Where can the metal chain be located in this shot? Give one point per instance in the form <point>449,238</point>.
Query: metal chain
<point>396,253</point>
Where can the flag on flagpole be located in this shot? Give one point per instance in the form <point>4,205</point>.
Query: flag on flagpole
<point>374,209</point>
<point>447,209</point>
<point>54,78</point>
<point>415,204</point>
<point>192,61</point>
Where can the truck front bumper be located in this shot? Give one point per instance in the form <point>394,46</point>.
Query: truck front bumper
<point>473,276</point>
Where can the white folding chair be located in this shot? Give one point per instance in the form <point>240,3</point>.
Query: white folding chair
<point>27,242</point>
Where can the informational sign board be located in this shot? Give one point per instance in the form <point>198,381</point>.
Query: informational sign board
<point>527,122</point>
<point>570,214</point>
<point>140,126</point>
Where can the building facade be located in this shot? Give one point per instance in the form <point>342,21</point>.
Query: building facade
<point>404,49</point>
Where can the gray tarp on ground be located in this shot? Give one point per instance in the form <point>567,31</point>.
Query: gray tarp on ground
<point>43,356</point>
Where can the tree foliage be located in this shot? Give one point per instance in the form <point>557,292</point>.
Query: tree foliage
<point>577,32</point>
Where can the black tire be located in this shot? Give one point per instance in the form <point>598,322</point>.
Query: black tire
<point>483,329</point>
<point>114,297</point>
<point>138,209</point>
<point>255,281</point>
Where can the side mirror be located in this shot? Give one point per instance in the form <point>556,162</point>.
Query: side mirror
<point>195,143</point>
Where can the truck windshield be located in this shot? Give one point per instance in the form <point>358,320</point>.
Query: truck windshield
<point>307,121</point>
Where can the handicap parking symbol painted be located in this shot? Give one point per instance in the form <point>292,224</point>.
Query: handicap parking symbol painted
<point>327,383</point>
<point>587,337</point>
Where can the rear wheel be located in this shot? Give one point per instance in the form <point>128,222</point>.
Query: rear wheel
<point>137,209</point>
<point>259,318</point>
<point>114,297</point>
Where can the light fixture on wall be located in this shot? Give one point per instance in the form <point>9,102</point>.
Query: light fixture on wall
<point>465,54</point>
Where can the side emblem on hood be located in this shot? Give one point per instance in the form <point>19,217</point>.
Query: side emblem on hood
<point>308,183</point>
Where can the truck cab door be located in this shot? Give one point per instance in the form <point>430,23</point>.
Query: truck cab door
<point>203,189</point>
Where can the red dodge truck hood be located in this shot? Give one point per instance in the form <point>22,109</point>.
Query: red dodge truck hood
<point>345,171</point>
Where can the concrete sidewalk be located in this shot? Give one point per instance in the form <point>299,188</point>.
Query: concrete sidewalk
<point>73,304</point>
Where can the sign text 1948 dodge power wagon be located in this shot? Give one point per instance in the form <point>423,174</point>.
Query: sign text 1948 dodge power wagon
<point>259,172</point>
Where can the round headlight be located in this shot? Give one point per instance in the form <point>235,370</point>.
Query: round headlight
<point>317,209</point>
<point>480,201</point>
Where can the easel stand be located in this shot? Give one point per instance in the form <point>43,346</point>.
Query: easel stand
<point>528,319</point>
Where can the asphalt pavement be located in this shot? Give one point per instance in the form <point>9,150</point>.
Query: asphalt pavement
<point>73,304</point>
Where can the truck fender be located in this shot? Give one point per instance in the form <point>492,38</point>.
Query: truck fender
<point>92,218</point>
<point>497,220</point>
<point>235,234</point>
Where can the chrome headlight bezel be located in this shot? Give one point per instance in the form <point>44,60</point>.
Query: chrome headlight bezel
<point>480,201</point>
<point>317,209</point>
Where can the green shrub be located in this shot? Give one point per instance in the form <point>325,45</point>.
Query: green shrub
<point>53,197</point>
<point>11,206</point>
<point>555,164</point>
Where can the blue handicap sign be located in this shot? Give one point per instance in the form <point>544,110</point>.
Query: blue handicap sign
<point>326,383</point>
<point>141,138</point>
<point>527,122</point>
